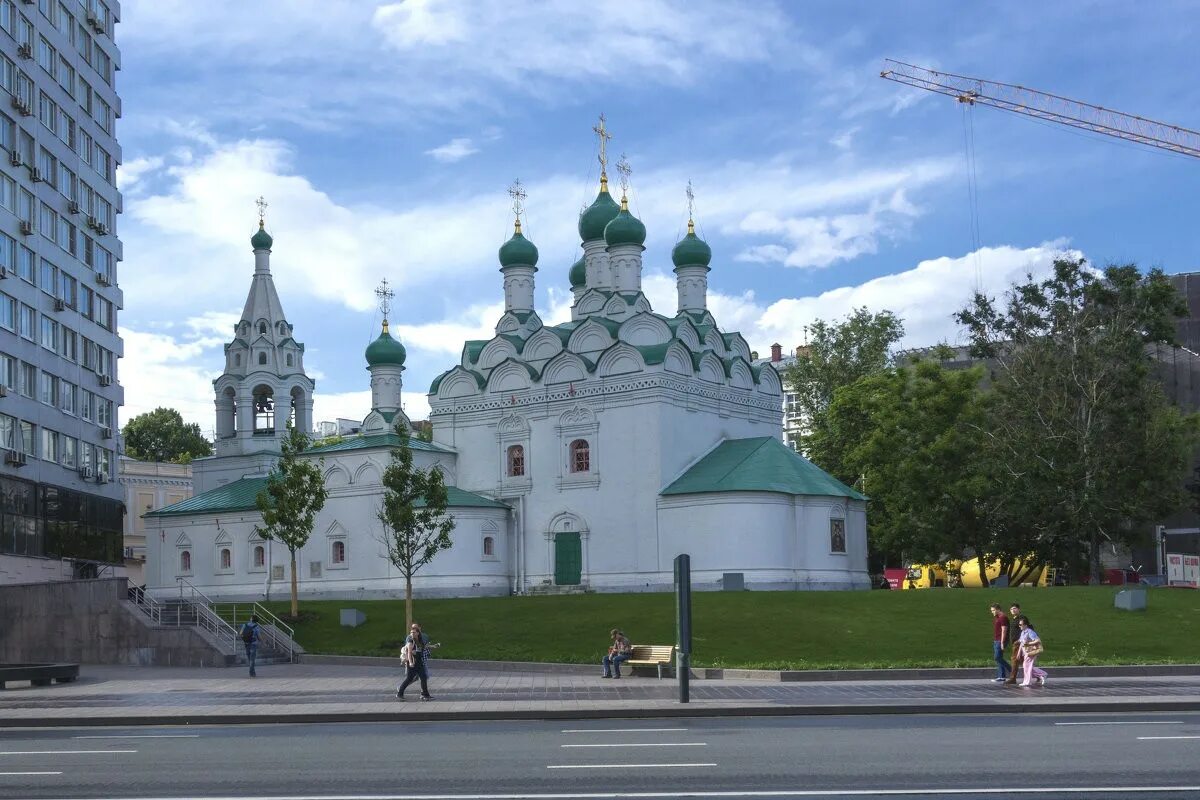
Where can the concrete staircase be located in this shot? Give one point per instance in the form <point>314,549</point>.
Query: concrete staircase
<point>546,589</point>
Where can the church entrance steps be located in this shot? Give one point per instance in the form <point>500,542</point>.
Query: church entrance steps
<point>552,589</point>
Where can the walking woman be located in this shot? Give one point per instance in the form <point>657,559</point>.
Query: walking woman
<point>1031,648</point>
<point>414,655</point>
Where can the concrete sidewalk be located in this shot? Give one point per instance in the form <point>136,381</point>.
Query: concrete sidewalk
<point>108,695</point>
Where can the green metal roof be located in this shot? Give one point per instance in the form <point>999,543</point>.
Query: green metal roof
<point>473,347</point>
<point>461,498</point>
<point>236,496</point>
<point>375,440</point>
<point>653,353</point>
<point>760,464</point>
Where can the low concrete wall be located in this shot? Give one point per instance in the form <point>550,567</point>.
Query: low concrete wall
<point>92,622</point>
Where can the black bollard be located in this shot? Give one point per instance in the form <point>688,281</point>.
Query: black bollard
<point>683,623</point>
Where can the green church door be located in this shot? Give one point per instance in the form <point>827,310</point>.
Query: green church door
<point>568,559</point>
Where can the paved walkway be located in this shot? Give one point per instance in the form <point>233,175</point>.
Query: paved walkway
<point>308,692</point>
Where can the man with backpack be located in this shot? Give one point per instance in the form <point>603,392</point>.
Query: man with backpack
<point>250,633</point>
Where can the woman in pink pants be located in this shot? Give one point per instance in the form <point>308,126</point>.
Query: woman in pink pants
<point>1031,648</point>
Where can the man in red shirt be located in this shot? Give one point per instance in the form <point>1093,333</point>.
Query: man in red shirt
<point>999,641</point>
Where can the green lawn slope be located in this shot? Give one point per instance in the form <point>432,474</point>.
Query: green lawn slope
<point>777,630</point>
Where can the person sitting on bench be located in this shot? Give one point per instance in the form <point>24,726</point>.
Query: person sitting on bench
<point>619,651</point>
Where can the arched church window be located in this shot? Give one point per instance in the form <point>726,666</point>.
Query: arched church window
<point>489,546</point>
<point>185,562</point>
<point>262,327</point>
<point>262,358</point>
<point>581,460</point>
<point>290,360</point>
<point>516,461</point>
<point>237,360</point>
<point>260,555</point>
<point>226,558</point>
<point>264,410</point>
<point>339,552</point>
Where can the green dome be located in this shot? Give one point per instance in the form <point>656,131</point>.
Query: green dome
<point>261,240</point>
<point>518,251</point>
<point>625,228</point>
<point>598,214</point>
<point>578,273</point>
<point>691,249</point>
<point>385,351</point>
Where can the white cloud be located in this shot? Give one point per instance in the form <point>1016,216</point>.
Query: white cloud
<point>130,173</point>
<point>453,150</point>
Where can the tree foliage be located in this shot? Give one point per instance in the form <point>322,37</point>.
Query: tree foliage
<point>837,355</point>
<point>1080,430</point>
<point>162,435</point>
<point>413,512</point>
<point>295,493</point>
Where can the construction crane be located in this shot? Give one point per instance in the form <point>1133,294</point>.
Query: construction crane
<point>1050,107</point>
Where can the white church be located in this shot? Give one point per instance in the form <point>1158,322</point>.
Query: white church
<point>579,456</point>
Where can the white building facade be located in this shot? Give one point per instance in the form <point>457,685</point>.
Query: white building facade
<point>583,455</point>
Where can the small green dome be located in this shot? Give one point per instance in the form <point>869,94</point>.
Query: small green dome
<point>385,351</point>
<point>578,273</point>
<point>625,228</point>
<point>691,249</point>
<point>261,240</point>
<point>518,250</point>
<point>598,214</point>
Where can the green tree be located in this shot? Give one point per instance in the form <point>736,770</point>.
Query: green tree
<point>837,355</point>
<point>1080,429</point>
<point>162,435</point>
<point>413,513</point>
<point>295,493</point>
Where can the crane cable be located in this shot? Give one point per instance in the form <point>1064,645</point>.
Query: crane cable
<point>972,191</point>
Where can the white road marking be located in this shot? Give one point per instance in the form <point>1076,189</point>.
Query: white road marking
<point>625,730</point>
<point>1148,738</point>
<point>144,736</point>
<point>59,752</point>
<point>623,766</point>
<point>30,773</point>
<point>1144,722</point>
<point>641,744</point>
<point>940,792</point>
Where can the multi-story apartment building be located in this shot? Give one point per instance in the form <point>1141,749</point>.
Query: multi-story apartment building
<point>793,418</point>
<point>59,296</point>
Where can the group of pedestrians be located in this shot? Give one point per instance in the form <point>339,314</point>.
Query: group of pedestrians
<point>1014,631</point>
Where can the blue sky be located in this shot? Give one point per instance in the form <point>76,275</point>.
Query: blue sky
<point>384,136</point>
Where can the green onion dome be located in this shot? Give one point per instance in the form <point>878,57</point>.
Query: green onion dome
<point>625,228</point>
<point>578,274</point>
<point>691,249</point>
<point>518,250</point>
<point>598,214</point>
<point>385,351</point>
<point>261,240</point>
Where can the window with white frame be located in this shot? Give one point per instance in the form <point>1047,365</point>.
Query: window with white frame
<point>185,562</point>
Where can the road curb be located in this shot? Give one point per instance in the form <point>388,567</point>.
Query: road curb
<point>780,676</point>
<point>680,712</point>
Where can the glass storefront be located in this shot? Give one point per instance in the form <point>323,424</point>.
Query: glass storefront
<point>50,522</point>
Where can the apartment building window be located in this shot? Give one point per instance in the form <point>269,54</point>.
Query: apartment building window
<point>86,300</point>
<point>8,194</point>
<point>26,321</point>
<point>8,17</point>
<point>8,74</point>
<point>86,146</point>
<point>47,57</point>
<point>28,380</point>
<point>25,262</point>
<point>68,344</point>
<point>8,312</point>
<point>28,438</point>
<point>65,235</point>
<point>8,432</point>
<point>24,30</point>
<point>49,334</point>
<point>67,183</point>
<point>49,278</point>
<point>87,404</point>
<point>66,288</point>
<point>103,460</point>
<point>65,22</point>
<point>66,76</point>
<point>49,445</point>
<point>69,446</point>
<point>25,205</point>
<point>8,372</point>
<point>47,221</point>
<point>48,390</point>
<point>104,315</point>
<point>87,455</point>
<point>104,412</point>
<point>66,397</point>
<point>48,113</point>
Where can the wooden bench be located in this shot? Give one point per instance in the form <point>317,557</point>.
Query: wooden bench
<point>652,655</point>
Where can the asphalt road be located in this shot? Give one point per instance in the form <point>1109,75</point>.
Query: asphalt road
<point>1045,756</point>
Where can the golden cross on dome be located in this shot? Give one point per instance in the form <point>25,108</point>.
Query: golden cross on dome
<point>691,196</point>
<point>385,295</point>
<point>517,192</point>
<point>262,209</point>
<point>625,170</point>
<point>601,131</point>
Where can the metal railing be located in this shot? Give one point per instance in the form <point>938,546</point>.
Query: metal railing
<point>146,604</point>
<point>276,634</point>
<point>206,618</point>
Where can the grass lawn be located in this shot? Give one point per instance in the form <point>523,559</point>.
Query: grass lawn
<point>777,630</point>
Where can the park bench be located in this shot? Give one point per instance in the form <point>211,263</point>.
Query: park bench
<point>652,655</point>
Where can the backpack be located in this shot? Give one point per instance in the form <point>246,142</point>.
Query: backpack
<point>248,632</point>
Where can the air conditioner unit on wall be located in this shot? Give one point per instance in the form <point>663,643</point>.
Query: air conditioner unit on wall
<point>73,207</point>
<point>35,175</point>
<point>26,227</point>
<point>86,473</point>
<point>102,279</point>
<point>3,272</point>
<point>60,304</point>
<point>104,380</point>
<point>25,50</point>
<point>106,433</point>
<point>101,477</point>
<point>14,457</point>
<point>14,157</point>
<point>3,390</point>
